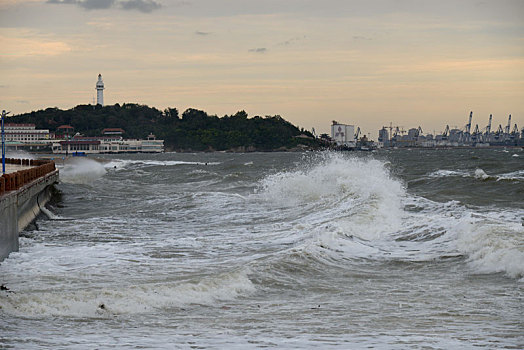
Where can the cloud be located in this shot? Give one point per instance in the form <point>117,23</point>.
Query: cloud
<point>139,5</point>
<point>361,37</point>
<point>96,4</point>
<point>291,41</point>
<point>259,50</point>
<point>62,2</point>
<point>87,4</point>
<point>198,32</point>
<point>18,46</point>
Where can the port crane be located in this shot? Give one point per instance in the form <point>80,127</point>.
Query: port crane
<point>468,126</point>
<point>445,134</point>
<point>476,135</point>
<point>514,133</point>
<point>509,125</point>
<point>465,134</point>
<point>357,134</point>
<point>488,129</point>
<point>398,130</point>
<point>499,132</point>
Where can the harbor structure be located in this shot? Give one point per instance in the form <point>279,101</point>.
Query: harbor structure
<point>453,137</point>
<point>100,91</point>
<point>25,188</point>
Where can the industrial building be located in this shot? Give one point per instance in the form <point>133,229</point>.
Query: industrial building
<point>343,135</point>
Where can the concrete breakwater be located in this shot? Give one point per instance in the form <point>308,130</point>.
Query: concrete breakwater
<point>22,193</point>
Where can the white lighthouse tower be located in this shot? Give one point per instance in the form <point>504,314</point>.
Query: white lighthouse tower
<point>100,91</point>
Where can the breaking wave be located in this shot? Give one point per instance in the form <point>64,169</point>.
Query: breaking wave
<point>82,171</point>
<point>19,154</point>
<point>448,173</point>
<point>135,299</point>
<point>492,244</point>
<point>123,163</point>
<point>353,208</point>
<point>515,175</point>
<point>479,174</point>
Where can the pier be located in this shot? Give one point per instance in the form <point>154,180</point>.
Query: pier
<point>24,189</point>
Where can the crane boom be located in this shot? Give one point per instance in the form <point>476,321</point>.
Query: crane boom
<point>488,128</point>
<point>468,125</point>
<point>357,133</point>
<point>508,127</point>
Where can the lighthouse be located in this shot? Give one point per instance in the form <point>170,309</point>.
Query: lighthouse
<point>100,91</point>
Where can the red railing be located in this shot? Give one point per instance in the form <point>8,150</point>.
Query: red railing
<point>13,181</point>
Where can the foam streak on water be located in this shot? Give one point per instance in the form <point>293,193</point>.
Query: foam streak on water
<point>281,250</point>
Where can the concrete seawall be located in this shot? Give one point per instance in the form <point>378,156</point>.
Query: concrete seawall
<point>21,205</point>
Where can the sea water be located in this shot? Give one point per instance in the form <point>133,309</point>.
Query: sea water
<point>393,249</point>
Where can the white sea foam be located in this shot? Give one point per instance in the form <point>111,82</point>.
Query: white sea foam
<point>481,174</point>
<point>445,173</point>
<point>491,242</point>
<point>358,212</point>
<point>353,196</point>
<point>19,154</point>
<point>117,164</point>
<point>120,164</point>
<point>514,175</point>
<point>492,245</point>
<point>50,214</point>
<point>131,299</point>
<point>82,171</point>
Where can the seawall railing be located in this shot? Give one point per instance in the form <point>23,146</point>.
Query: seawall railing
<point>13,181</point>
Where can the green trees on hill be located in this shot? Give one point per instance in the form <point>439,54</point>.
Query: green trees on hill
<point>194,130</point>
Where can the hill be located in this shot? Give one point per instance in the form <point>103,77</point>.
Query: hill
<point>194,130</point>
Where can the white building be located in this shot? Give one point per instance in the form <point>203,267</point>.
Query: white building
<point>25,133</point>
<point>100,91</point>
<point>343,135</point>
<point>108,144</point>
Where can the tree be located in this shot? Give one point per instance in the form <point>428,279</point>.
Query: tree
<point>195,130</point>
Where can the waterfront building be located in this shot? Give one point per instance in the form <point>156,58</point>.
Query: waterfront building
<point>113,131</point>
<point>108,144</point>
<point>72,146</point>
<point>64,132</point>
<point>23,133</point>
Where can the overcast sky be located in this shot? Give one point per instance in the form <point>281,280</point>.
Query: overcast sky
<point>368,63</point>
